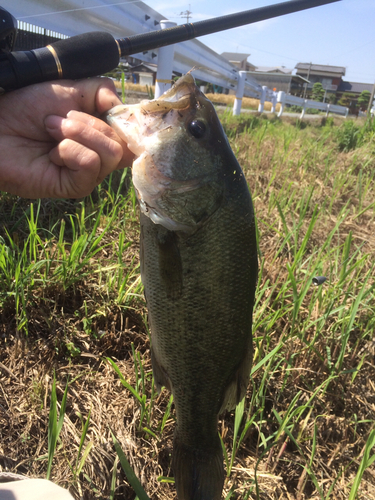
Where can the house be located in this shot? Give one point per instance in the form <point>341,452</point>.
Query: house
<point>274,77</point>
<point>354,90</point>
<point>329,76</point>
<point>144,74</point>
<point>279,78</point>
<point>239,60</point>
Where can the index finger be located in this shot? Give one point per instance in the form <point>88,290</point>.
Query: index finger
<point>95,95</point>
<point>34,103</point>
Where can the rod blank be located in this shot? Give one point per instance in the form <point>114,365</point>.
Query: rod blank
<point>160,38</point>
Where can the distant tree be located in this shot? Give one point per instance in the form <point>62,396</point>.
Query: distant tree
<point>364,99</point>
<point>318,92</point>
<point>332,99</point>
<point>346,99</point>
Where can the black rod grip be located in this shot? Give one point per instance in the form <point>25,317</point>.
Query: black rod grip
<point>86,55</point>
<point>80,56</point>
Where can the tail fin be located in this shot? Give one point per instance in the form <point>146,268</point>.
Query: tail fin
<point>198,473</point>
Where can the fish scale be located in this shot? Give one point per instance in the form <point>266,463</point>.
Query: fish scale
<point>199,270</point>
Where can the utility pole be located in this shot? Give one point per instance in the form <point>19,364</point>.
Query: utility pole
<point>186,14</point>
<point>308,76</point>
<point>371,99</point>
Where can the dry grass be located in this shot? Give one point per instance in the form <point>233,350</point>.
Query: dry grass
<point>247,102</point>
<point>134,87</point>
<point>222,99</point>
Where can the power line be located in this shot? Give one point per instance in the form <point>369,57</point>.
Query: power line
<point>257,49</point>
<point>81,8</point>
<point>355,48</point>
<point>186,14</point>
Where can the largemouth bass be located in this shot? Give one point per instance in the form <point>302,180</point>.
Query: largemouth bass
<point>199,270</point>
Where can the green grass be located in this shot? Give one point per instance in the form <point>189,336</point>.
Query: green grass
<point>72,304</point>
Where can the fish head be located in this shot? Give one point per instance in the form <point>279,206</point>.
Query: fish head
<point>181,152</point>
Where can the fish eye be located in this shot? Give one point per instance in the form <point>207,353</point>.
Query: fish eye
<point>197,129</point>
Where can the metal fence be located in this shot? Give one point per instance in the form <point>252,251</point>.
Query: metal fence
<point>305,104</point>
<point>31,37</point>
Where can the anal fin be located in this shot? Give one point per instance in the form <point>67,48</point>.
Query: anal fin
<point>236,388</point>
<point>161,378</point>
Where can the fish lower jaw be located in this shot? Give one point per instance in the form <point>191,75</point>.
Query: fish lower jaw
<point>151,185</point>
<point>158,217</point>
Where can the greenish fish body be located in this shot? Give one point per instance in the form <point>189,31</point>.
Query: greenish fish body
<point>199,270</point>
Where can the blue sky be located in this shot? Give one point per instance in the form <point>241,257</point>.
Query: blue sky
<point>339,34</point>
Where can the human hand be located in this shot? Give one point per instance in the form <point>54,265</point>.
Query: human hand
<point>52,143</point>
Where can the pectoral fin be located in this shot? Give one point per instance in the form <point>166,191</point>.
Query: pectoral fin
<point>170,265</point>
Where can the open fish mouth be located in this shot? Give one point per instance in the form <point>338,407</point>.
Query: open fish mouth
<point>152,129</point>
<point>136,121</point>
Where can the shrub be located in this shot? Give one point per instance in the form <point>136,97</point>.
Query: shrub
<point>364,99</point>
<point>327,121</point>
<point>295,109</point>
<point>346,99</point>
<point>317,92</point>
<point>348,136</point>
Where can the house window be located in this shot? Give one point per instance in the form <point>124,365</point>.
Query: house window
<point>326,82</point>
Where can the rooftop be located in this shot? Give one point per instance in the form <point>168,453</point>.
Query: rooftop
<point>234,56</point>
<point>280,76</point>
<point>354,87</point>
<point>321,67</point>
<point>274,69</point>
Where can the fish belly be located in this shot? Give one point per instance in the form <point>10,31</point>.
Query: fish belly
<point>200,292</point>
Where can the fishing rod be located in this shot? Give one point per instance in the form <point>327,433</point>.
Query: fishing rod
<point>97,52</point>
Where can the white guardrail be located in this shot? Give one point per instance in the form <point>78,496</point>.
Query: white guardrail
<point>126,19</point>
<point>292,100</point>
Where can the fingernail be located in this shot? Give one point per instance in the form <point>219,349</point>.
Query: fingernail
<point>53,122</point>
<point>73,113</point>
